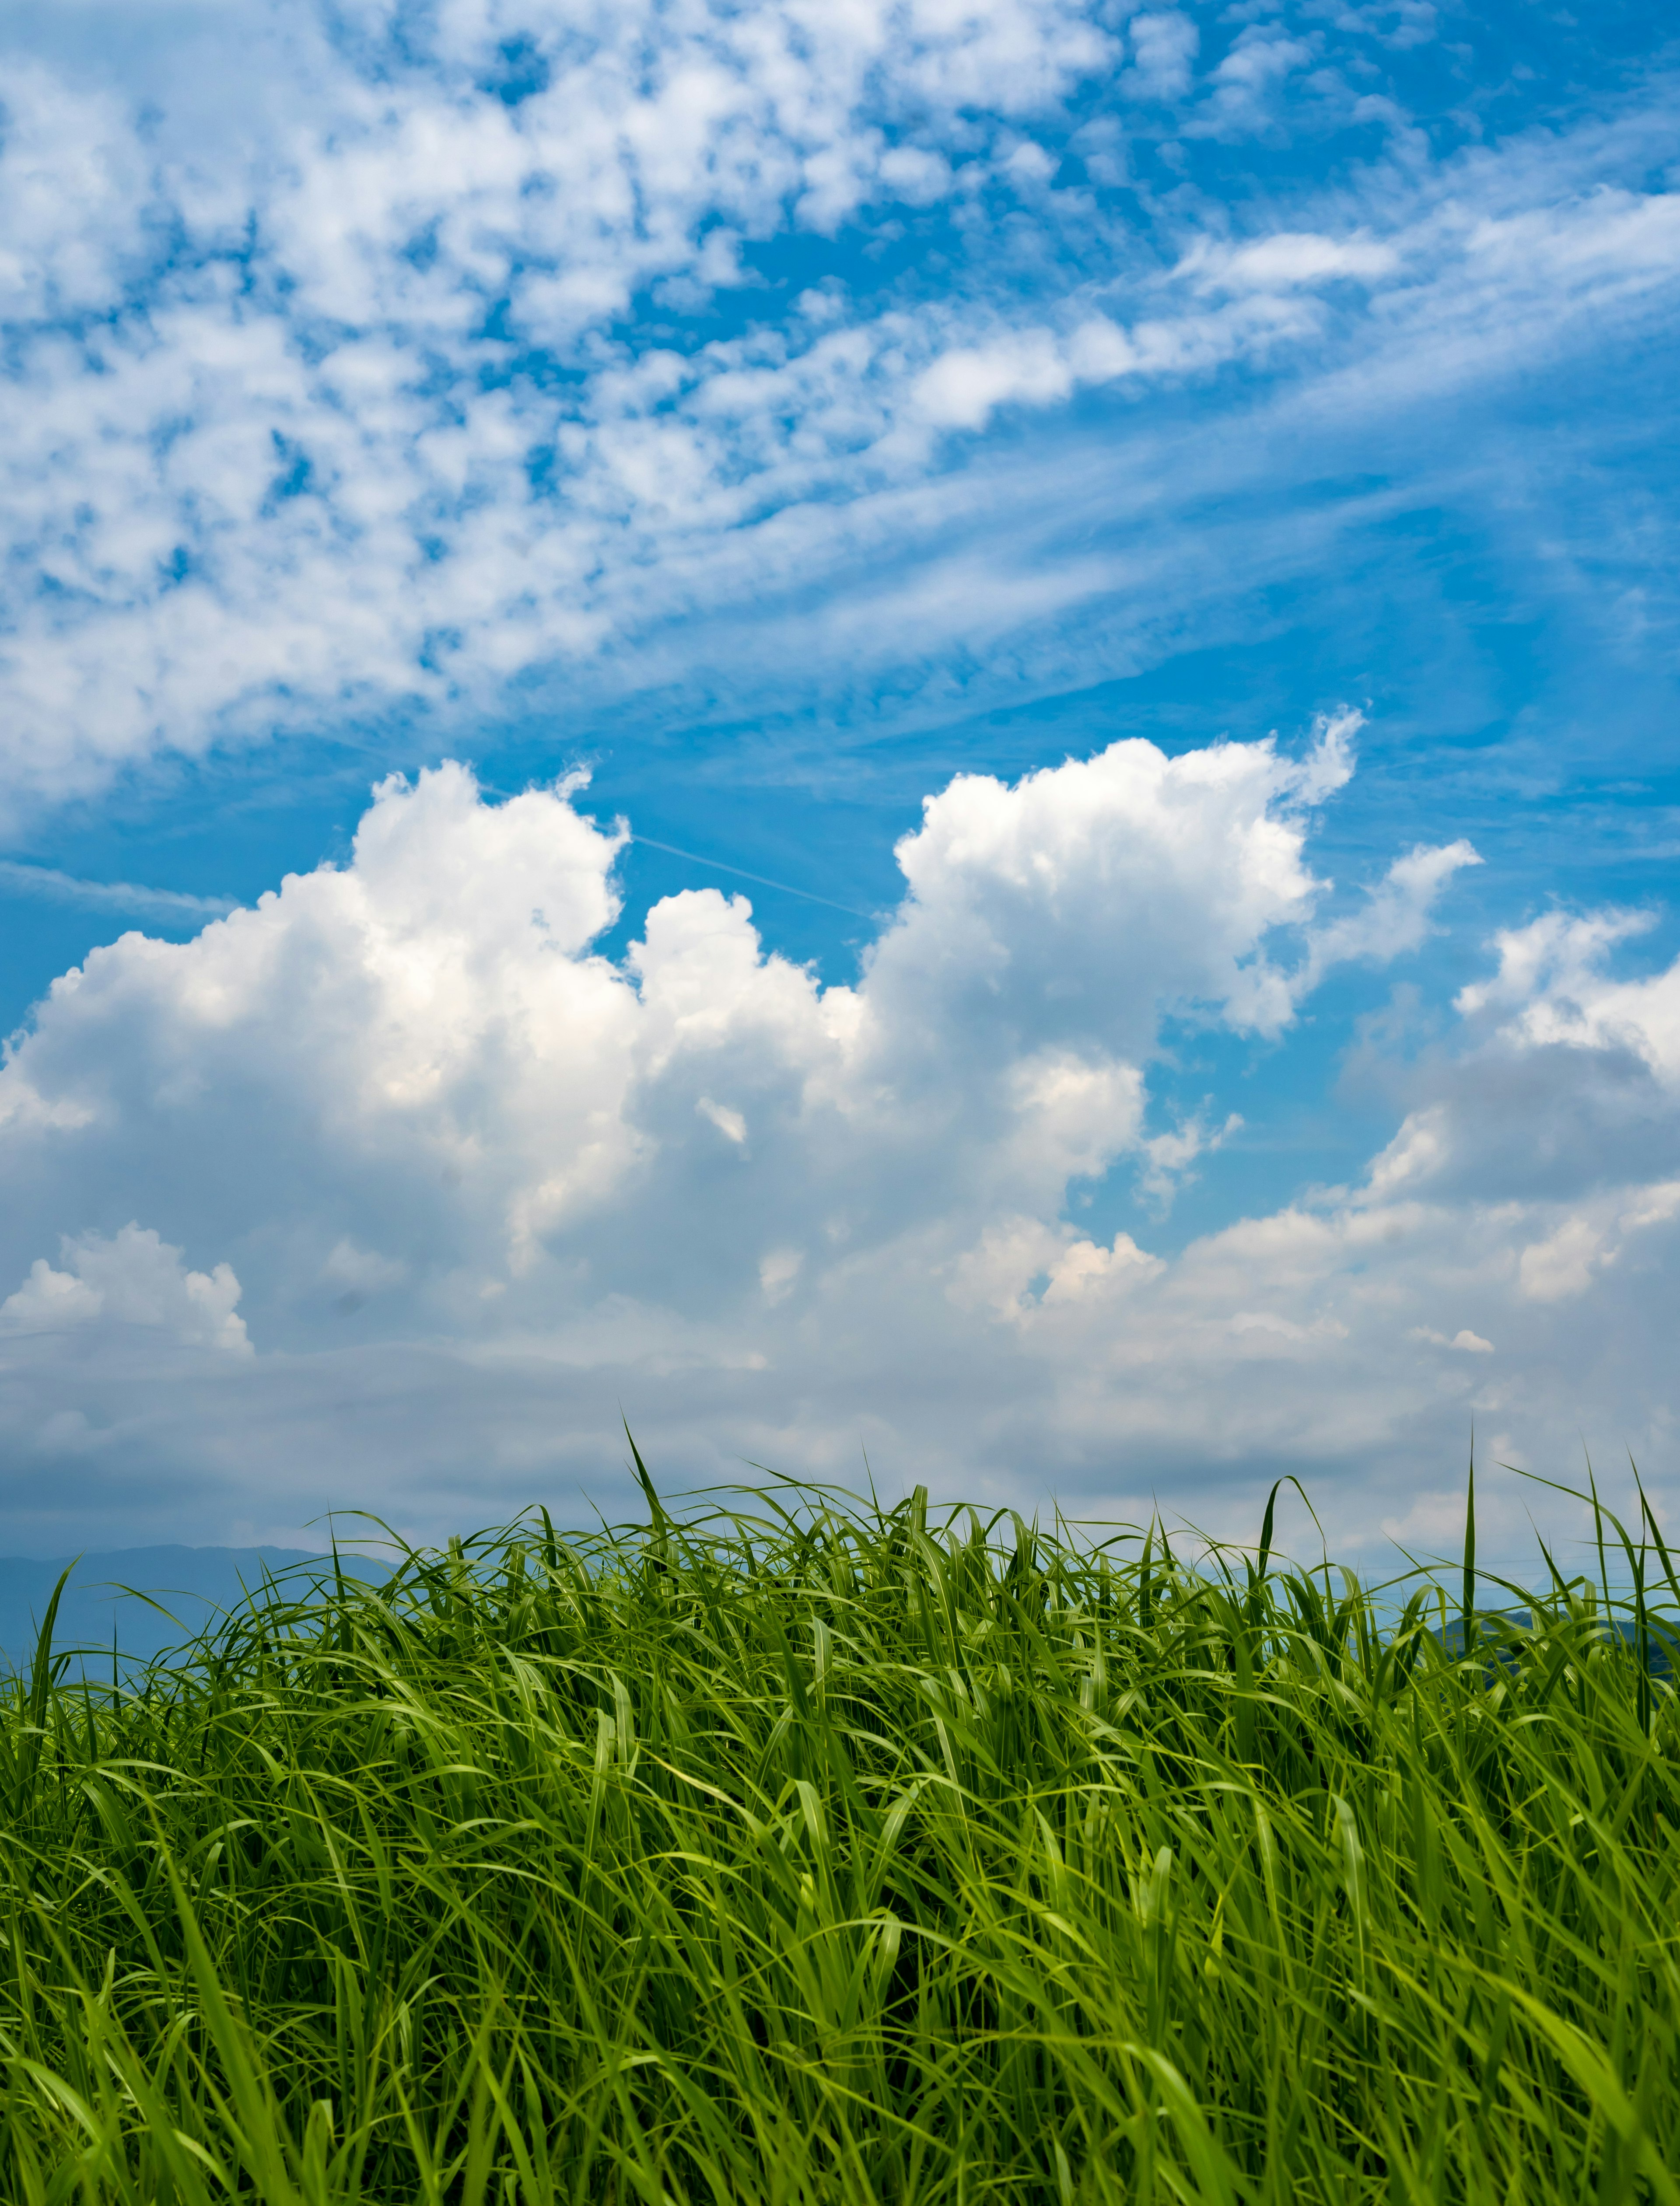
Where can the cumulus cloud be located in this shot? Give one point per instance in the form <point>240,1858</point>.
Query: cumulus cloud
<point>1552,989</point>
<point>129,1279</point>
<point>475,1188</point>
<point>1466,1342</point>
<point>1563,1087</point>
<point>434,1012</point>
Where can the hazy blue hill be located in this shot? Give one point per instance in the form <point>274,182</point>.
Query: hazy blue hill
<point>191,1583</point>
<point>1659,1638</point>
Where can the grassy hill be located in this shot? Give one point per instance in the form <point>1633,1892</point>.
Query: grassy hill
<point>831,1853</point>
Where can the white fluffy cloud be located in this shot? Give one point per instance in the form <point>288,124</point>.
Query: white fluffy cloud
<point>475,1189</point>
<point>130,1278</point>
<point>1553,988</point>
<point>424,1038</point>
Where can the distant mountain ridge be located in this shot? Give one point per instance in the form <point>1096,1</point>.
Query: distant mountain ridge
<point>191,1584</point>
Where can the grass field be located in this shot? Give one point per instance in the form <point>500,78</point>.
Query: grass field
<point>836,1853</point>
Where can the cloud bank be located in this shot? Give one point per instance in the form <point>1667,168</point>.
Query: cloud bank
<point>394,1191</point>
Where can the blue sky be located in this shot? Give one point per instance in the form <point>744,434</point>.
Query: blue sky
<point>779,414</point>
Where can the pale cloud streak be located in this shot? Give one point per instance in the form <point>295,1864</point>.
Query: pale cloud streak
<point>53,886</point>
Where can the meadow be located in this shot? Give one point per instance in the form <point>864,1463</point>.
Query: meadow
<point>819,1851</point>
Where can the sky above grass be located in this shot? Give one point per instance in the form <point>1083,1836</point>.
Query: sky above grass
<point>893,734</point>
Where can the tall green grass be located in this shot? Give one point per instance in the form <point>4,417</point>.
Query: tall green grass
<point>830,1852</point>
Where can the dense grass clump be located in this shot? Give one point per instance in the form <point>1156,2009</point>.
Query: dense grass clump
<point>834,1853</point>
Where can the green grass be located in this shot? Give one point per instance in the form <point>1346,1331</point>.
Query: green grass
<point>842,1854</point>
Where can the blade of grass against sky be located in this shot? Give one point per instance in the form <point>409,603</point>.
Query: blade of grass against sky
<point>813,1851</point>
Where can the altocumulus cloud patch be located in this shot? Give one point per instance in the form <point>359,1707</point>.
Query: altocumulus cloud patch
<point>392,1190</point>
<point>379,355</point>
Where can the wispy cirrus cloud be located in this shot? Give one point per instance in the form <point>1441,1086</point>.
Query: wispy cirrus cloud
<point>25,880</point>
